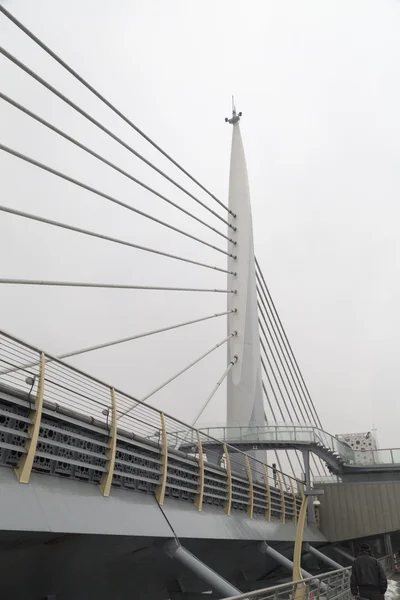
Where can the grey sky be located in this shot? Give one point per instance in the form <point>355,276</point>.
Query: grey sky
<point>319,88</point>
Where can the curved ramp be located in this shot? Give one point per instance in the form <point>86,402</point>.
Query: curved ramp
<point>335,453</point>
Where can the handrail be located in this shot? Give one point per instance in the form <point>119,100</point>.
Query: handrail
<point>381,456</point>
<point>274,432</point>
<point>274,590</point>
<point>338,581</point>
<point>71,395</point>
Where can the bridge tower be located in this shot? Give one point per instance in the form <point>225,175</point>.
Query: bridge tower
<point>244,392</point>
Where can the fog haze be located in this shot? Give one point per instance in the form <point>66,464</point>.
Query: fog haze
<point>319,89</point>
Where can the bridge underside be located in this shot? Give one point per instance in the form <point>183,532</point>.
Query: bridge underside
<point>82,566</point>
<point>59,536</point>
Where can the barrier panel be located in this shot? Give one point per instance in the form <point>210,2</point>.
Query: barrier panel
<point>57,420</point>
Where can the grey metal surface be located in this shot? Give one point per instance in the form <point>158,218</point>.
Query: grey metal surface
<point>356,510</point>
<point>323,557</point>
<point>82,567</point>
<point>217,583</point>
<point>50,504</point>
<point>58,505</point>
<point>75,432</point>
<point>344,554</point>
<point>280,558</point>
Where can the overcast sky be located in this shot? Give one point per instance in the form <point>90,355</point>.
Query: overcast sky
<point>319,87</point>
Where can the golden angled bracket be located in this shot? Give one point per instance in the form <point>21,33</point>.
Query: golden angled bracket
<point>107,476</point>
<point>24,468</point>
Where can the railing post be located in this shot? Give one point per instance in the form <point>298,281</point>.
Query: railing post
<point>198,501</point>
<point>283,508</point>
<point>318,589</point>
<point>24,468</point>
<point>160,492</point>
<point>250,507</point>
<point>111,452</point>
<point>268,493</point>
<point>228,503</point>
<point>307,473</point>
<point>294,501</point>
<point>297,574</point>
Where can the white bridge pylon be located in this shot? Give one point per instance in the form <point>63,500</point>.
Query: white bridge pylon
<point>245,405</point>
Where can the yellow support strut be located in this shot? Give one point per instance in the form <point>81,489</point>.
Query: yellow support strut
<point>24,468</point>
<point>107,476</point>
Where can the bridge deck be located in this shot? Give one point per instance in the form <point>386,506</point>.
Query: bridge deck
<point>73,446</point>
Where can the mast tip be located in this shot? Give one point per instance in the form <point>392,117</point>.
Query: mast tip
<point>235,115</point>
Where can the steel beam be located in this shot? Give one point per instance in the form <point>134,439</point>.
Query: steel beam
<point>228,503</point>
<point>198,501</point>
<point>217,583</point>
<point>322,557</point>
<point>345,554</point>
<point>111,452</point>
<point>264,548</point>
<point>25,464</point>
<point>161,488</point>
<point>191,595</point>
<point>310,512</point>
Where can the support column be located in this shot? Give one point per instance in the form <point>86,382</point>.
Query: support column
<point>25,464</point>
<point>198,501</point>
<point>245,405</point>
<point>388,544</point>
<point>111,452</point>
<point>162,486</point>
<point>322,557</point>
<point>214,456</point>
<point>217,583</point>
<point>345,554</point>
<point>307,473</point>
<point>228,503</point>
<point>264,548</point>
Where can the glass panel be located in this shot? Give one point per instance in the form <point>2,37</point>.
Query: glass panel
<point>396,455</point>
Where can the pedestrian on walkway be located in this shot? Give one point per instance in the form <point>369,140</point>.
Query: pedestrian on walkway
<point>368,579</point>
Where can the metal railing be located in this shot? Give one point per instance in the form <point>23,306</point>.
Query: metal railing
<point>283,433</point>
<point>384,456</point>
<point>57,420</point>
<point>387,563</point>
<point>334,585</point>
<point>325,479</point>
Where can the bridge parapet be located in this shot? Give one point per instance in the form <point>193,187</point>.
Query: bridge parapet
<point>282,435</point>
<point>57,420</point>
<point>334,585</point>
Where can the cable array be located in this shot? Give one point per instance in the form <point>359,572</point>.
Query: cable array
<point>87,85</point>
<point>58,133</point>
<point>286,394</point>
<point>285,382</point>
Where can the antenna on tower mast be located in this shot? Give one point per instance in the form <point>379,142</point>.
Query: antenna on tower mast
<point>235,116</point>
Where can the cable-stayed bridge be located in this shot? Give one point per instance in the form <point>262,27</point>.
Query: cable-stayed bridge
<point>113,482</point>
